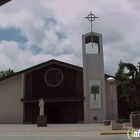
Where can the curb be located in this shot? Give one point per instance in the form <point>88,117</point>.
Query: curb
<point>113,132</point>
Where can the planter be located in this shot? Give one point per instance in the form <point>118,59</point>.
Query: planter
<point>135,120</point>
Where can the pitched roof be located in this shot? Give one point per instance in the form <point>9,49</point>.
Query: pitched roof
<point>2,2</point>
<point>52,61</point>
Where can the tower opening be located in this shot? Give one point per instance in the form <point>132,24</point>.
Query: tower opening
<point>92,48</point>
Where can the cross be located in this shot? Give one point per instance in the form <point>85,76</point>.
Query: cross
<point>91,17</point>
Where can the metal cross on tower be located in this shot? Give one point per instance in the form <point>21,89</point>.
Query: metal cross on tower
<point>91,17</point>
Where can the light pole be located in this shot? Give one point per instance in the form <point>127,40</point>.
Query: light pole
<point>2,2</point>
<point>111,80</point>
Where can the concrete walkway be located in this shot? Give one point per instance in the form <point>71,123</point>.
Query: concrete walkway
<point>56,132</point>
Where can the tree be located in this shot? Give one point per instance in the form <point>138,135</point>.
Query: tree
<point>6,73</point>
<point>129,90</point>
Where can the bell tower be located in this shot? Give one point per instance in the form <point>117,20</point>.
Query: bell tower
<point>93,76</point>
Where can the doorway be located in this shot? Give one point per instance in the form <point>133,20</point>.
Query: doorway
<point>51,110</point>
<point>56,112</point>
<point>53,114</point>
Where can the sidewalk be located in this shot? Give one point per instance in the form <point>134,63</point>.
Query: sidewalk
<point>52,128</point>
<point>56,132</point>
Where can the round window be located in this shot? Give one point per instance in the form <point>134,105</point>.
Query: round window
<point>53,77</point>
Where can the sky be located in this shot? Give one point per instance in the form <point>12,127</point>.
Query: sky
<point>35,31</point>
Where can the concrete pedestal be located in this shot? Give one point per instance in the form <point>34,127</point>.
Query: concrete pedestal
<point>135,120</point>
<point>41,121</point>
<point>115,126</point>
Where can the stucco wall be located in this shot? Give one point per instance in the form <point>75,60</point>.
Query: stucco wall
<point>93,69</point>
<point>108,101</point>
<point>11,108</point>
<point>96,74</point>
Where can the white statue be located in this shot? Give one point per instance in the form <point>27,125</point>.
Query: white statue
<point>41,105</point>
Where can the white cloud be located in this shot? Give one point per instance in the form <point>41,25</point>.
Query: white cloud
<point>118,22</point>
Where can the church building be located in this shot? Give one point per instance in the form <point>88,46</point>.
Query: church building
<point>72,94</point>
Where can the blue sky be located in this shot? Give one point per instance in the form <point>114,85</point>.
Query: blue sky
<point>10,34</point>
<point>32,32</point>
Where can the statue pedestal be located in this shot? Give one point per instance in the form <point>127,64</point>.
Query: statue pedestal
<point>115,126</point>
<point>41,121</point>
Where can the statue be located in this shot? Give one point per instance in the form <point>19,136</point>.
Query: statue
<point>41,119</point>
<point>41,105</point>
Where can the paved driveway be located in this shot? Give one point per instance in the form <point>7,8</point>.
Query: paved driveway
<point>56,132</point>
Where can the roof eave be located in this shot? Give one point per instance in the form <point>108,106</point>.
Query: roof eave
<point>52,61</point>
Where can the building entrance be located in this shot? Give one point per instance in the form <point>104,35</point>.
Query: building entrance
<point>56,112</point>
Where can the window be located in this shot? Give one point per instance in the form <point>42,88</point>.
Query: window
<point>53,77</point>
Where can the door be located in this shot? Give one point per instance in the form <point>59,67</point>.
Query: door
<point>53,114</point>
